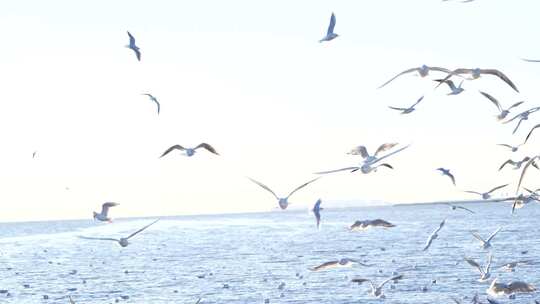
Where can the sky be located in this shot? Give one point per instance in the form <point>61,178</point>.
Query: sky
<point>251,79</point>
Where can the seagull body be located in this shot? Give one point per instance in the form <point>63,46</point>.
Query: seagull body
<point>484,273</point>
<point>377,291</point>
<point>521,117</point>
<point>409,109</point>
<point>433,235</point>
<point>487,195</point>
<point>423,71</point>
<point>133,47</point>
<point>368,164</point>
<point>366,224</point>
<point>476,73</point>
<point>343,263</point>
<point>454,90</point>
<point>455,207</point>
<point>499,289</point>
<point>190,151</point>
<point>124,242</point>
<point>330,35</point>
<point>104,214</point>
<point>152,98</point>
<point>317,212</point>
<point>486,244</point>
<point>283,202</point>
<point>447,173</point>
<point>502,112</point>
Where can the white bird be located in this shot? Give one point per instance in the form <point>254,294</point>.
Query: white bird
<point>122,241</point>
<point>517,164</point>
<point>486,243</point>
<point>377,291</point>
<point>342,263</point>
<point>104,214</point>
<point>317,212</point>
<point>330,35</point>
<point>423,71</point>
<point>190,151</point>
<point>366,224</point>
<point>476,73</point>
<point>433,235</point>
<point>282,201</point>
<point>487,195</point>
<point>447,173</point>
<point>512,265</point>
<point>368,163</point>
<point>522,116</point>
<point>132,46</point>
<point>502,112</point>
<point>152,98</point>
<point>530,132</point>
<point>484,273</point>
<point>409,109</point>
<point>499,289</point>
<point>454,90</point>
<point>521,200</point>
<point>455,207</point>
<point>512,148</point>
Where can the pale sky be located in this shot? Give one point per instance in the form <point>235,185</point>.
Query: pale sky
<point>251,79</point>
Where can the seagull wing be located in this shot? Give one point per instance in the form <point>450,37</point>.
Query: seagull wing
<point>451,177</point>
<point>417,102</point>
<point>428,242</point>
<point>438,69</point>
<point>474,264</point>
<point>302,186</point>
<point>360,281</point>
<point>501,76</point>
<point>383,223</point>
<point>518,286</point>
<point>530,132</point>
<point>467,209</point>
<point>399,109</point>
<point>264,187</point>
<point>143,228</point>
<point>175,147</point>
<point>398,277</point>
<point>488,266</point>
<point>505,145</point>
<point>384,147</point>
<point>131,40</point>
<point>105,207</point>
<point>360,150</point>
<point>478,237</point>
<point>474,192</point>
<point>98,239</point>
<point>493,234</point>
<point>507,162</point>
<point>338,170</point>
<point>530,60</point>
<point>492,99</point>
<point>404,72</point>
<point>515,105</point>
<point>390,154</point>
<point>497,188</point>
<point>331,25</point>
<point>324,265</point>
<point>317,212</point>
<point>517,126</point>
<point>207,147</point>
<point>455,72</point>
<point>441,225</point>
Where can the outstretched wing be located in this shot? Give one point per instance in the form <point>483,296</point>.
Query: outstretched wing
<point>501,76</point>
<point>331,25</point>
<point>360,150</point>
<point>390,154</point>
<point>264,187</point>
<point>404,72</point>
<point>515,105</point>
<point>302,186</point>
<point>338,170</point>
<point>105,207</point>
<point>99,239</point>
<point>207,147</point>
<point>143,228</point>
<point>492,99</point>
<point>398,109</point>
<point>398,277</point>
<point>477,236</point>
<point>175,147</point>
<point>384,147</point>
<point>493,234</point>
<point>474,192</point>
<point>474,264</point>
<point>530,132</point>
<point>131,39</point>
<point>497,188</point>
<point>506,162</point>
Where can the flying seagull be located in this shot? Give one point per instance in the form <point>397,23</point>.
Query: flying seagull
<point>434,235</point>
<point>530,132</point>
<point>502,112</point>
<point>520,199</point>
<point>517,164</point>
<point>487,195</point>
<point>103,215</point>
<point>512,148</point>
<point>190,151</point>
<point>499,289</point>
<point>486,244</point>
<point>484,273</point>
<point>447,173</point>
<point>282,201</point>
<point>454,90</point>
<point>476,73</point>
<point>317,212</point>
<point>377,291</point>
<point>330,35</point>
<point>342,263</point>
<point>455,207</point>
<point>122,241</point>
<point>366,224</point>
<point>512,265</point>
<point>423,71</point>
<point>409,109</point>
<point>132,46</point>
<point>152,98</point>
<point>368,163</point>
<point>522,116</point>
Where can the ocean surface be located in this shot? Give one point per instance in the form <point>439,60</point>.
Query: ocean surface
<point>244,258</point>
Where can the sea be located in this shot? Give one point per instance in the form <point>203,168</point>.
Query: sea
<point>267,257</point>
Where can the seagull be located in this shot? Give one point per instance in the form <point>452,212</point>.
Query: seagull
<point>455,207</point>
<point>103,216</point>
<point>503,112</point>
<point>521,200</point>
<point>283,201</point>
<point>512,148</point>
<point>122,241</point>
<point>484,273</point>
<point>330,35</point>
<point>486,243</point>
<point>499,289</point>
<point>423,71</point>
<point>434,235</point>
<point>528,135</point>
<point>367,165</point>
<point>476,73</point>
<point>447,173</point>
<point>487,195</point>
<point>366,224</point>
<point>35,153</point>
<point>190,151</point>
<point>522,116</point>
<point>152,98</point>
<point>409,109</point>
<point>132,46</point>
<point>517,164</point>
<point>455,90</point>
<point>317,212</point>
<point>512,265</point>
<point>342,263</point>
<point>377,291</point>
